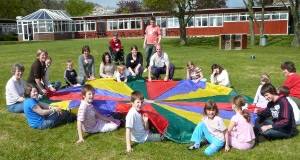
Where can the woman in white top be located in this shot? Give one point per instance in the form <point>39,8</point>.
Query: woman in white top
<point>14,90</point>
<point>107,68</point>
<point>219,76</point>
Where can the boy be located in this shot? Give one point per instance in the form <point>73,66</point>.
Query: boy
<point>88,119</point>
<point>281,123</point>
<point>137,126</point>
<point>116,50</point>
<point>70,75</point>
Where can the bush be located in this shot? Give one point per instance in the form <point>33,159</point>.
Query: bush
<point>9,37</point>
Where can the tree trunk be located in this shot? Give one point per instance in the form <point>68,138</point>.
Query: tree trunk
<point>182,29</point>
<point>296,40</point>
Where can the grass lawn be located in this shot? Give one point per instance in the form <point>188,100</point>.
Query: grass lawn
<point>18,141</point>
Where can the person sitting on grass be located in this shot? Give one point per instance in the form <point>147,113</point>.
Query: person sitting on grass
<point>134,62</point>
<point>193,72</point>
<point>137,125</point>
<point>54,85</point>
<point>42,116</point>
<point>277,120</point>
<point>219,76</point>
<point>260,101</point>
<point>14,90</point>
<point>88,119</point>
<point>211,129</point>
<point>86,65</point>
<point>70,75</point>
<point>121,74</point>
<point>107,68</point>
<point>160,64</point>
<point>116,50</point>
<point>240,134</point>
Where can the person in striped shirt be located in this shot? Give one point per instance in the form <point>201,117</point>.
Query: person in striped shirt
<point>193,72</point>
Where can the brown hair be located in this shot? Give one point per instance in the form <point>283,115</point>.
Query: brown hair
<point>103,57</point>
<point>28,89</point>
<point>69,61</point>
<point>136,95</point>
<point>284,90</point>
<point>268,88</point>
<point>87,88</point>
<point>17,66</point>
<point>239,101</point>
<point>289,66</point>
<point>215,66</point>
<point>211,105</point>
<point>85,48</point>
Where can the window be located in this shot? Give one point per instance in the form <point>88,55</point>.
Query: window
<point>231,17</point>
<point>90,25</point>
<point>191,22</point>
<point>215,20</point>
<point>173,22</point>
<point>275,15</point>
<point>49,27</point>
<point>112,25</point>
<point>123,24</point>
<point>201,21</point>
<point>161,21</point>
<point>135,23</point>
<point>283,16</point>
<point>244,16</point>
<point>42,26</point>
<point>20,28</point>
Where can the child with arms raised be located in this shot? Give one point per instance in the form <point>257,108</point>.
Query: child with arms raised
<point>137,126</point>
<point>240,134</point>
<point>259,100</point>
<point>211,128</point>
<point>88,119</point>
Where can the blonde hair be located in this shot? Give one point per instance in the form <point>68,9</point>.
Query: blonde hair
<point>121,68</point>
<point>265,78</point>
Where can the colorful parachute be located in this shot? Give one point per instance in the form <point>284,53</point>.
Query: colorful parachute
<point>174,107</point>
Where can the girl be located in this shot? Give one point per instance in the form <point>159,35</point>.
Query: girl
<point>134,62</point>
<point>193,72</point>
<point>107,68</point>
<point>86,65</point>
<point>211,128</point>
<point>240,134</point>
<point>259,100</point>
<point>70,75</point>
<point>88,119</point>
<point>54,85</point>
<point>219,76</point>
<point>120,74</point>
<point>41,116</point>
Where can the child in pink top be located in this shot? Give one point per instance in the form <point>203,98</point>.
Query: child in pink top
<point>240,134</point>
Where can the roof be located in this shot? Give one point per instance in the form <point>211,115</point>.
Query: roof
<point>47,14</point>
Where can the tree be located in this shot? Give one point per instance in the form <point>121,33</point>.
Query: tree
<point>54,4</point>
<point>129,6</point>
<point>294,10</point>
<point>11,9</point>
<point>183,10</point>
<point>250,4</point>
<point>78,7</point>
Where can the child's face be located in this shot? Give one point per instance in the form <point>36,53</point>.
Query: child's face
<point>216,70</point>
<point>42,57</point>
<point>48,63</point>
<point>138,104</point>
<point>134,51</point>
<point>34,93</point>
<point>269,97</point>
<point>211,114</point>
<point>107,58</point>
<point>18,74</point>
<point>285,72</point>
<point>69,66</point>
<point>89,96</point>
<point>86,53</point>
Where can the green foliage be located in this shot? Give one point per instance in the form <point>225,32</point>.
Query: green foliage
<point>9,37</point>
<point>78,7</point>
<point>129,6</point>
<point>13,8</point>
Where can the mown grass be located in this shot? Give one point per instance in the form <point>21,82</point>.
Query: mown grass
<point>18,141</point>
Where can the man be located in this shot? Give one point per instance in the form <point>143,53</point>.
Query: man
<point>152,38</point>
<point>160,64</point>
<point>116,50</point>
<point>292,81</point>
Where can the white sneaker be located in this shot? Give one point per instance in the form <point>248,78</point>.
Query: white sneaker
<point>145,70</point>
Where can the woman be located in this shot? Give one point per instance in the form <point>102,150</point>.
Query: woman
<point>86,65</point>
<point>219,76</point>
<point>14,90</point>
<point>134,62</point>
<point>107,68</point>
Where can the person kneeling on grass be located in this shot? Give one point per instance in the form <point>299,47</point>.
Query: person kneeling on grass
<point>137,126</point>
<point>88,119</point>
<point>40,115</point>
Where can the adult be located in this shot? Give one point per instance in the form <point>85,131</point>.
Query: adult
<point>107,68</point>
<point>37,72</point>
<point>277,120</point>
<point>160,64</point>
<point>14,90</point>
<point>116,49</point>
<point>134,62</point>
<point>152,38</point>
<point>219,76</point>
<point>292,81</point>
<point>86,65</point>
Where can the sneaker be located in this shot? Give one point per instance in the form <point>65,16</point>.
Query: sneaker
<point>145,70</point>
<point>193,147</point>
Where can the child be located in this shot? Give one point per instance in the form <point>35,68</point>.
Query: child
<point>137,127</point>
<point>193,72</point>
<point>116,50</point>
<point>240,134</point>
<point>120,74</point>
<point>41,116</point>
<point>211,128</point>
<point>283,90</point>
<point>52,86</point>
<point>70,74</point>
<point>88,119</point>
<point>259,100</point>
<point>219,76</point>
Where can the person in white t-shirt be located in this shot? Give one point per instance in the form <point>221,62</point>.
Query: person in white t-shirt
<point>259,100</point>
<point>219,76</point>
<point>137,126</point>
<point>89,120</point>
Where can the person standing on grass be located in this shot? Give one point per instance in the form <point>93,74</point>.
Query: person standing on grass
<point>219,76</point>
<point>160,64</point>
<point>134,62</point>
<point>88,119</point>
<point>37,72</point>
<point>152,38</point>
<point>292,80</point>
<point>277,120</point>
<point>137,125</point>
<point>240,134</point>
<point>86,65</point>
<point>116,50</point>
<point>14,90</point>
<point>107,68</point>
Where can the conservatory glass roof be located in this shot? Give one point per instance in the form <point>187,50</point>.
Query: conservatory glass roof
<point>47,14</point>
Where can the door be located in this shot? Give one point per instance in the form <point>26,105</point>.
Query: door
<point>27,36</point>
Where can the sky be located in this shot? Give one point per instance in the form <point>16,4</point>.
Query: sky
<point>112,3</point>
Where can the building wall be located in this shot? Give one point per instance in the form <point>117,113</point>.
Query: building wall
<point>86,34</point>
<point>127,33</point>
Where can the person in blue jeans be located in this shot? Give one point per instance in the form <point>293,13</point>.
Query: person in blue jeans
<point>14,90</point>
<point>277,120</point>
<point>41,116</point>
